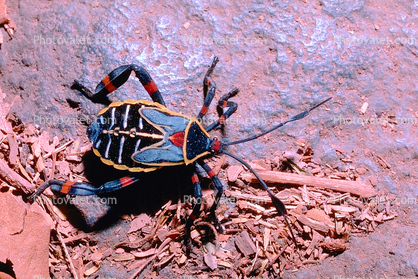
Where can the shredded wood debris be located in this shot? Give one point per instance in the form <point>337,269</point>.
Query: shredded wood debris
<point>326,206</point>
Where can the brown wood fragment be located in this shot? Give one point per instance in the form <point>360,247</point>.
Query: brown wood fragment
<point>210,261</point>
<point>14,179</point>
<point>247,197</point>
<point>316,238</point>
<point>161,234</point>
<point>283,178</point>
<point>318,226</point>
<point>91,268</point>
<point>233,172</point>
<point>245,244</point>
<point>139,222</point>
<point>13,147</point>
<point>144,254</point>
<point>123,257</point>
<point>335,245</point>
<point>320,216</point>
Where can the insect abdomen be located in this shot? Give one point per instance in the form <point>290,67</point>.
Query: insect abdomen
<point>119,131</point>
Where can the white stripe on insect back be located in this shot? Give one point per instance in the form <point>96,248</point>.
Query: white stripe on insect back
<point>106,155</point>
<point>121,143</point>
<point>140,121</point>
<point>137,145</point>
<point>98,144</point>
<point>125,117</point>
<point>113,118</point>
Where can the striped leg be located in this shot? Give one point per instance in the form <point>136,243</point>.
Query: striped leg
<point>206,103</point>
<point>224,103</point>
<point>117,78</point>
<point>83,189</point>
<point>196,210</point>
<point>210,85</point>
<point>207,82</point>
<point>209,88</point>
<point>218,185</point>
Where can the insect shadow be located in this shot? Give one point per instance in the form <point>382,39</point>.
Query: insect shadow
<point>148,195</point>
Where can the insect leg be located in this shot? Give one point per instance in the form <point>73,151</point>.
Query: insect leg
<point>209,88</point>
<point>207,82</point>
<point>117,184</point>
<point>117,78</point>
<point>206,103</point>
<point>196,209</point>
<point>83,189</point>
<point>224,103</point>
<point>220,188</point>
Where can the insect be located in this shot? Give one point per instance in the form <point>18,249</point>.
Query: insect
<point>143,136</point>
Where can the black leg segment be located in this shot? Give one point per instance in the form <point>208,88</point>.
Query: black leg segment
<point>218,185</point>
<point>224,103</point>
<point>117,78</point>
<point>196,210</point>
<point>83,189</point>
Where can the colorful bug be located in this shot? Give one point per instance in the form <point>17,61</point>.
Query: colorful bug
<point>142,136</point>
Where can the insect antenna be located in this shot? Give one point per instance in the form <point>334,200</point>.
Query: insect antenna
<point>278,204</point>
<point>291,119</point>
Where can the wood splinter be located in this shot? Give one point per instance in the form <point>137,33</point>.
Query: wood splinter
<point>284,178</point>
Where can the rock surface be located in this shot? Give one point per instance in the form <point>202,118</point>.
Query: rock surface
<point>282,55</point>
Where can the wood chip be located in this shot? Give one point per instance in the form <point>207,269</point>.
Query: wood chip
<point>210,261</point>
<point>139,222</point>
<point>245,244</point>
<point>318,226</point>
<point>123,257</point>
<point>347,209</point>
<point>144,254</point>
<point>92,270</point>
<point>13,147</point>
<point>233,172</point>
<point>182,259</point>
<point>283,178</point>
<point>335,245</point>
<point>320,216</point>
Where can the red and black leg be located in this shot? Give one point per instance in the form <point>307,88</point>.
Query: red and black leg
<point>209,88</point>
<point>196,209</point>
<point>83,189</point>
<point>117,78</point>
<point>207,82</point>
<point>220,190</point>
<point>224,103</point>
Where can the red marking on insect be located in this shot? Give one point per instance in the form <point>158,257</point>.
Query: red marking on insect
<point>204,110</point>
<point>211,173</point>
<point>216,146</point>
<point>108,84</point>
<point>195,179</point>
<point>65,188</point>
<point>222,119</point>
<point>126,181</point>
<point>151,87</point>
<point>177,139</point>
